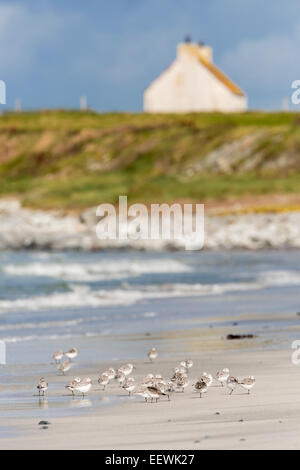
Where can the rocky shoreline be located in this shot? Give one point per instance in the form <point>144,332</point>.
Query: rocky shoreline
<point>23,228</point>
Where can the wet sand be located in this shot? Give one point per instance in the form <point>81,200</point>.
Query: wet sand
<point>267,419</point>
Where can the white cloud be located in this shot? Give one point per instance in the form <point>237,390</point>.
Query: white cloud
<point>269,63</point>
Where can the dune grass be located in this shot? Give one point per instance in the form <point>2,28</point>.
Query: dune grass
<point>73,160</point>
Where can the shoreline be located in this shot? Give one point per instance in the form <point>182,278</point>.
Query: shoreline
<point>267,419</point>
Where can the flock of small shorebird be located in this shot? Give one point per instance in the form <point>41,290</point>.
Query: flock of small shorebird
<point>152,387</point>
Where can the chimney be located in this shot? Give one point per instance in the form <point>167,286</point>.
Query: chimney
<point>193,51</point>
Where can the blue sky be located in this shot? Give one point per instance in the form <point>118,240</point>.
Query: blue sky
<point>54,51</point>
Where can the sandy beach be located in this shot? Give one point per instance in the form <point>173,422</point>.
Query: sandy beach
<point>114,308</point>
<point>267,419</point>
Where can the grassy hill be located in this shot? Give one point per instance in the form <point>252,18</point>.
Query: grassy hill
<point>75,160</point>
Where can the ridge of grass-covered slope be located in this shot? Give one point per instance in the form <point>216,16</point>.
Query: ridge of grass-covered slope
<point>73,160</point>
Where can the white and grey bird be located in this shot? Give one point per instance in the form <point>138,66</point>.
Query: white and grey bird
<point>182,382</point>
<point>161,383</point>
<point>104,380</point>
<point>72,353</point>
<point>155,393</point>
<point>207,378</point>
<point>248,383</point>
<point>71,386</point>
<point>126,369</point>
<point>120,377</point>
<point>152,354</point>
<point>111,373</point>
<point>232,383</point>
<point>187,364</point>
<point>64,367</point>
<point>177,375</point>
<point>129,385</point>
<point>222,376</point>
<point>201,387</point>
<point>181,369</point>
<point>58,355</point>
<point>169,389</point>
<point>143,392</point>
<point>84,386</point>
<point>42,386</point>
<point>149,379</point>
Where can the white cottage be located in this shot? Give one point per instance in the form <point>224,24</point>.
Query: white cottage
<point>193,83</point>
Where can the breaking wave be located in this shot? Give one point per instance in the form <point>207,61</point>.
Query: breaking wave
<point>96,271</point>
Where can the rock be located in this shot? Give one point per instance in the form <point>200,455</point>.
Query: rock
<point>89,217</point>
<point>235,337</point>
<point>52,230</point>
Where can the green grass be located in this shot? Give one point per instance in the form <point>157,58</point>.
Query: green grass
<point>73,160</point>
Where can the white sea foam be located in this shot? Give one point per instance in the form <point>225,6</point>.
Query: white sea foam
<point>81,296</point>
<point>280,278</point>
<point>23,339</point>
<point>42,325</point>
<point>102,270</point>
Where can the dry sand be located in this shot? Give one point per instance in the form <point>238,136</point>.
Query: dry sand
<point>267,419</point>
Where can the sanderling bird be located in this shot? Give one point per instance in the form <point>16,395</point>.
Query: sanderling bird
<point>207,378</point>
<point>127,369</point>
<point>152,355</point>
<point>149,379</point>
<point>178,374</point>
<point>181,369</point>
<point>64,367</point>
<point>84,386</point>
<point>42,386</point>
<point>169,389</point>
<point>188,364</point>
<point>143,392</point>
<point>248,383</point>
<point>72,353</point>
<point>232,383</point>
<point>103,380</point>
<point>121,377</point>
<point>72,385</point>
<point>111,373</point>
<point>58,355</point>
<point>129,385</point>
<point>155,393</point>
<point>159,381</point>
<point>201,387</point>
<point>182,383</point>
<point>222,376</point>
